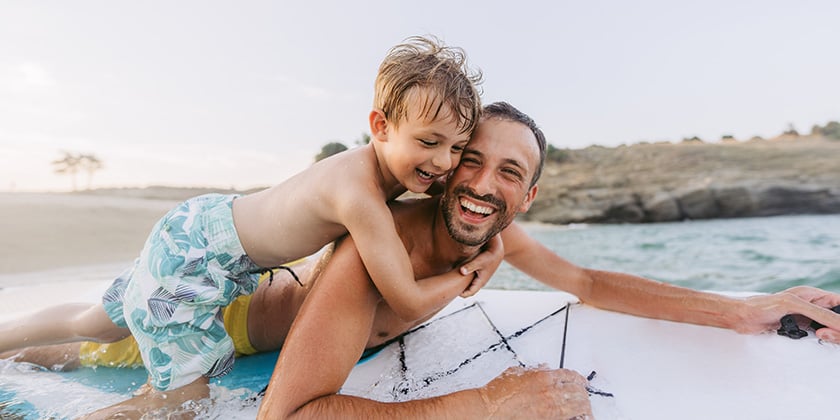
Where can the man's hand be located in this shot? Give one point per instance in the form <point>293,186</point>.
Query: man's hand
<point>483,265</point>
<point>537,394</point>
<point>763,312</point>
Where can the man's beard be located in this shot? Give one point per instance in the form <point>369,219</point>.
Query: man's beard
<point>466,233</point>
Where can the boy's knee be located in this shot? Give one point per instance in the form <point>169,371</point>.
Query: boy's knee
<point>95,324</point>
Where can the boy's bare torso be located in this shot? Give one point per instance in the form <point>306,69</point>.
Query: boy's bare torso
<point>274,307</point>
<point>302,214</point>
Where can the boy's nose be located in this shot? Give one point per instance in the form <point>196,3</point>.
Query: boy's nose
<point>444,160</point>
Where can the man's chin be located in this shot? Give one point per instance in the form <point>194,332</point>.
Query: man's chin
<point>469,235</point>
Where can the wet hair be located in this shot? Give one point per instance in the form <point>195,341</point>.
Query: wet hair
<point>507,112</point>
<point>425,69</point>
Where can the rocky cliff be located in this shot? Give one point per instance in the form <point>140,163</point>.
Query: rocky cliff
<point>691,180</point>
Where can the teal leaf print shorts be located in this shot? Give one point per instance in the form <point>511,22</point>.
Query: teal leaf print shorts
<point>192,265</point>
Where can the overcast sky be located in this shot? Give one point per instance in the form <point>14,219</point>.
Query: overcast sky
<point>245,93</point>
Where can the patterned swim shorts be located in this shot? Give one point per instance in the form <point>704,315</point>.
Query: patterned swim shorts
<point>192,265</point>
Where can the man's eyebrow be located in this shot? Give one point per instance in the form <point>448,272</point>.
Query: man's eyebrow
<point>510,161</point>
<point>514,162</point>
<point>471,151</point>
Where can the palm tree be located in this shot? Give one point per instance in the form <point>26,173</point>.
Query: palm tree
<point>90,164</point>
<point>71,163</point>
<point>68,164</point>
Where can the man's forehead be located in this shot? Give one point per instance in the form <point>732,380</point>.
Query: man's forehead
<point>508,140</point>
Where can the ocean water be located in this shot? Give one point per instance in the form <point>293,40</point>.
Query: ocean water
<point>758,254</point>
<point>753,254</point>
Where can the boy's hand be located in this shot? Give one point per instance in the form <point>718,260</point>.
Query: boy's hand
<point>483,265</point>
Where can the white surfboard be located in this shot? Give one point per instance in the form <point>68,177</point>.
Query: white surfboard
<point>644,369</point>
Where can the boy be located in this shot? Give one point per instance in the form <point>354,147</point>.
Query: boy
<point>212,248</point>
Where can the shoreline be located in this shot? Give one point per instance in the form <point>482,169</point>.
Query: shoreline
<point>26,293</point>
<point>93,274</point>
<point>46,231</point>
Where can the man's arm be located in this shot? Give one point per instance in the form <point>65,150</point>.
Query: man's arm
<point>329,334</point>
<point>642,297</point>
<point>325,342</point>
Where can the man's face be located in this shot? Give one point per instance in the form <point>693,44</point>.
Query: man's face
<point>492,183</point>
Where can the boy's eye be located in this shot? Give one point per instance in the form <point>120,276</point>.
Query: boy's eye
<point>428,143</point>
<point>457,149</point>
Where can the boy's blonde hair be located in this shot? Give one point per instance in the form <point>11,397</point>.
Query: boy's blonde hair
<point>441,73</point>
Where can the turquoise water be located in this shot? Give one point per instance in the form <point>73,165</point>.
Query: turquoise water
<point>753,254</point>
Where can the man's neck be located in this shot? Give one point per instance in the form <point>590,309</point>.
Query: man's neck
<point>445,247</point>
<point>424,233</point>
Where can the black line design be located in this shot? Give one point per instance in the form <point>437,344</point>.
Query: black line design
<point>501,336</point>
<point>406,385</point>
<point>565,328</point>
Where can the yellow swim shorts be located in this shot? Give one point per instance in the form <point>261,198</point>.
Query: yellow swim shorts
<point>125,353</point>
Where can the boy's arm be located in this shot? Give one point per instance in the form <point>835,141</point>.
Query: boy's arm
<point>372,228</point>
<point>643,297</point>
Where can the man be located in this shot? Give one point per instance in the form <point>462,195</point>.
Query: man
<point>495,180</point>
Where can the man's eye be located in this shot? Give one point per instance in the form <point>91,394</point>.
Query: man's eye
<point>512,172</point>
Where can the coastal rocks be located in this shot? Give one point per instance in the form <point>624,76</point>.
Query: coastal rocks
<point>627,206</point>
<point>735,202</point>
<point>776,200</point>
<point>689,181</point>
<point>697,204</point>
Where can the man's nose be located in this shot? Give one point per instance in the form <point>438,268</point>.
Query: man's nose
<point>481,182</point>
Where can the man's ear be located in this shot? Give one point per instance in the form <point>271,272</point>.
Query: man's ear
<point>378,125</point>
<point>529,198</point>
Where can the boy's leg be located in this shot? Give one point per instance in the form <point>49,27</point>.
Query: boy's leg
<point>148,400</point>
<point>58,357</point>
<point>61,324</point>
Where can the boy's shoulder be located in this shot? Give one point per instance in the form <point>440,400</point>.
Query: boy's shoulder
<point>354,174</point>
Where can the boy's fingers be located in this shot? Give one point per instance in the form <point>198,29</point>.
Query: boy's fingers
<point>469,292</point>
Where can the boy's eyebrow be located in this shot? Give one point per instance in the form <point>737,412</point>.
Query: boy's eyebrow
<point>440,136</point>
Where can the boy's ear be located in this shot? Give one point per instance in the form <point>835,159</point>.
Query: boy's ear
<point>378,125</point>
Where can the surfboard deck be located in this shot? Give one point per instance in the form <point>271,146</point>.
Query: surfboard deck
<point>644,369</point>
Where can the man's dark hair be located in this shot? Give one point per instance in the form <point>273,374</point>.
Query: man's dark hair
<point>506,111</point>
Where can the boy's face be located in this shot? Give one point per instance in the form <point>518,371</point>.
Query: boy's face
<point>422,148</point>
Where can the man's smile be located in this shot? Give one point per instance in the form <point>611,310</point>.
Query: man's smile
<point>475,209</point>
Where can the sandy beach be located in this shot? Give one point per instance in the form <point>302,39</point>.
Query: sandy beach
<point>59,248</point>
<point>46,232</point>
